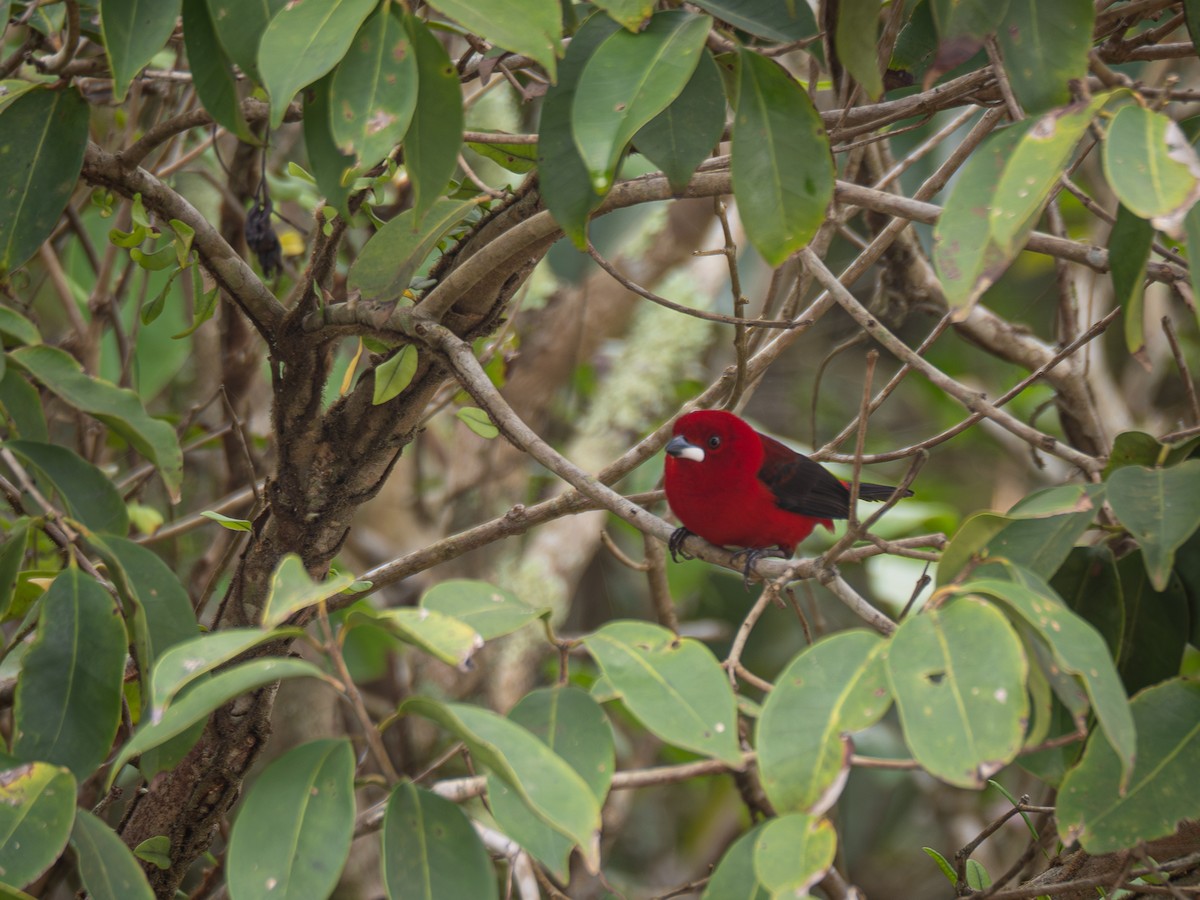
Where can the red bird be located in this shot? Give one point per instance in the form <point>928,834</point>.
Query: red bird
<point>737,488</point>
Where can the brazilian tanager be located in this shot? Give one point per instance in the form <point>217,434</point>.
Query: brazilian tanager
<point>737,488</point>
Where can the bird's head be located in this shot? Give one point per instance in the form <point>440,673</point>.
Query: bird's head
<point>718,440</point>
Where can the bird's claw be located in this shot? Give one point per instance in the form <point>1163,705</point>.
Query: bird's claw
<point>753,555</point>
<point>675,544</point>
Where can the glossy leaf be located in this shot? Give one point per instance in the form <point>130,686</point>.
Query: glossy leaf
<point>1155,632</point>
<point>1150,166</point>
<point>39,170</point>
<point>632,14</point>
<point>12,560</point>
<point>491,611</point>
<point>23,407</point>
<point>856,40</point>
<point>674,685</point>
<point>292,589</point>
<point>528,27</point>
<point>833,688</point>
<point>1077,649</point>
<point>1039,543</point>
<point>239,26</point>
<point>302,42</point>
<point>734,875</point>
<point>574,726</point>
<point>204,696</point>
<point>682,136</point>
<point>1096,807</point>
<point>544,780</point>
<point>16,326</point>
<point>518,158</point>
<point>394,374</point>
<point>374,90</point>
<point>37,807</point>
<point>68,697</point>
<point>330,166</point>
<point>793,852</point>
<point>1033,170</point>
<point>974,19</point>
<point>391,257</point>
<point>1160,508</point>
<point>776,20</point>
<point>441,636</point>
<point>629,80</point>
<point>134,31</point>
<point>1044,46</point>
<point>564,179</point>
<point>430,849</point>
<point>958,676</point>
<point>107,867</point>
<point>83,490</point>
<point>183,663</point>
<point>434,137</point>
<point>967,260</point>
<point>1128,252</point>
<point>292,835</point>
<point>212,71</point>
<point>782,169</point>
<point>118,408</point>
<point>478,421</point>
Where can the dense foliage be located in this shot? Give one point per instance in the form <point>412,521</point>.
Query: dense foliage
<point>340,342</point>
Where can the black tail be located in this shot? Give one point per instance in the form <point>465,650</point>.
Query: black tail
<point>878,492</point>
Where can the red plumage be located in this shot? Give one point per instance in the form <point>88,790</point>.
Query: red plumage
<point>738,488</point>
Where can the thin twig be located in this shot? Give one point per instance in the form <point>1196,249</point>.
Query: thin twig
<point>1185,375</point>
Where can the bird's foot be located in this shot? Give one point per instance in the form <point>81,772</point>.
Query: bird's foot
<point>753,555</point>
<point>675,544</point>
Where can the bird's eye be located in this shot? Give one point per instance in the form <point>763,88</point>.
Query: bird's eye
<point>714,442</point>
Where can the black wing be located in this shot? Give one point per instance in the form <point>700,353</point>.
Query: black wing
<point>807,488</point>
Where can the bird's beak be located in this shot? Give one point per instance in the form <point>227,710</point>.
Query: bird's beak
<point>681,448</point>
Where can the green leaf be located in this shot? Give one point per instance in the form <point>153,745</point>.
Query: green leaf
<point>974,19</point>
<point>227,522</point>
<point>387,262</point>
<point>776,20</point>
<point>1128,252</point>
<point>967,260</point>
<point>1033,170</point>
<point>155,850</point>
<point>118,408</point>
<point>793,852</point>
<point>157,606</point>
<point>240,26</point>
<point>856,36</point>
<point>22,406</point>
<point>37,807</point>
<point>1077,649</point>
<point>682,136</point>
<point>958,675</point>
<point>674,685</point>
<point>942,864</point>
<point>212,71</point>
<point>15,326</point>
<point>205,696</point>
<point>374,90</point>
<point>430,849</point>
<point>631,14</point>
<point>434,138</point>
<point>1150,165</point>
<point>542,778</point>
<point>134,31</point>
<point>782,168</point>
<point>85,493</point>
<point>491,611</point>
<point>528,27</point>
<point>394,374</point>
<point>107,867</point>
<point>1155,627</point>
<point>1160,508</point>
<point>12,88</point>
<point>478,421</point>
<point>629,80</point>
<point>292,836</point>
<point>518,158</point>
<point>574,726</point>
<point>183,663</point>
<point>1096,807</point>
<point>1044,46</point>
<point>831,689</point>
<point>12,559</point>
<point>39,171</point>
<point>68,696</point>
<point>301,43</point>
<point>292,590</point>
<point>734,875</point>
<point>441,636</point>
<point>330,166</point>
<point>563,176</point>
